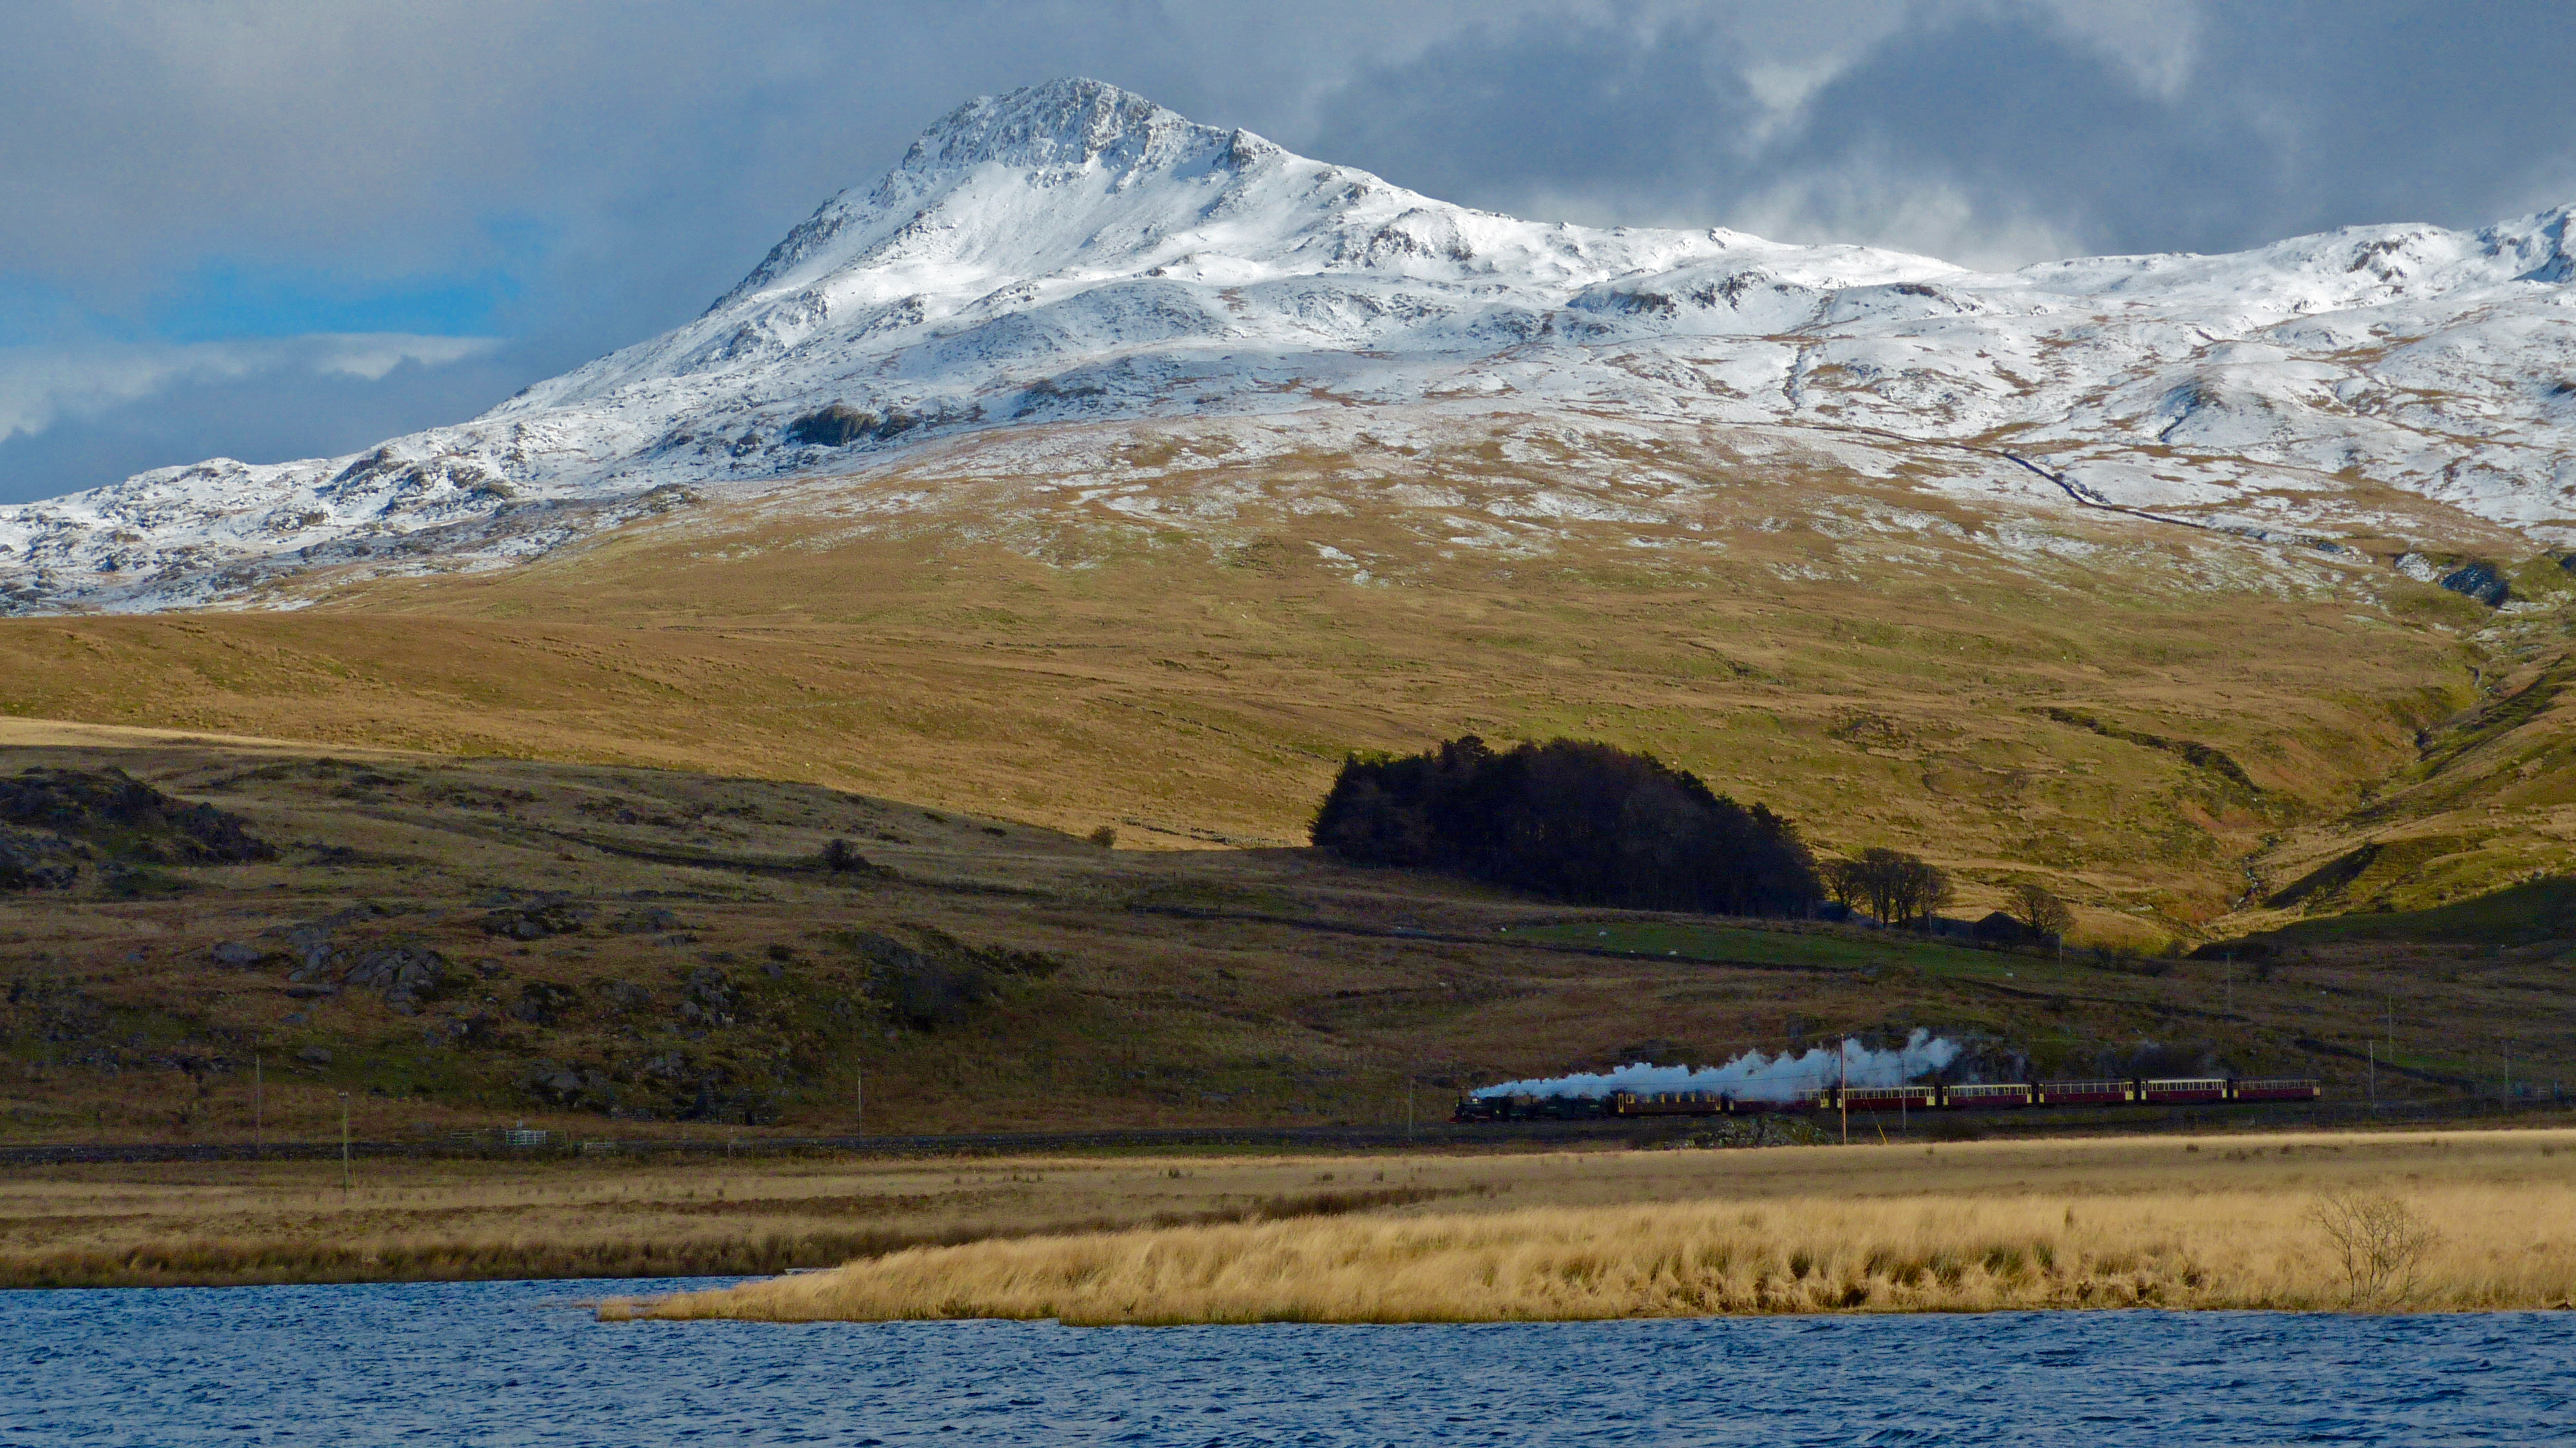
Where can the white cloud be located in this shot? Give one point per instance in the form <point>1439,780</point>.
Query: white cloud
<point>2155,41</point>
<point>42,385</point>
<point>1924,215</point>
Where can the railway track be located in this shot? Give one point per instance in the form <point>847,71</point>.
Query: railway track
<point>1429,1136</point>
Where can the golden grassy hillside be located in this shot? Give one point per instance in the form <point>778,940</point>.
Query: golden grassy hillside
<point>2122,710</point>
<point>2214,1223</point>
<point>2490,801</point>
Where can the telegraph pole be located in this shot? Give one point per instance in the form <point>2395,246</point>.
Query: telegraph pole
<point>2374,1075</point>
<point>344,1146</point>
<point>858,1099</point>
<point>258,1108</point>
<point>1842,1085</point>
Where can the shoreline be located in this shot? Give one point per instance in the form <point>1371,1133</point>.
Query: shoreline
<point>641,1309</point>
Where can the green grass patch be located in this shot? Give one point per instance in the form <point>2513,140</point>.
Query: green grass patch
<point>2519,915</point>
<point>1754,946</point>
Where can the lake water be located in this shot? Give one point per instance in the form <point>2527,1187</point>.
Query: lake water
<point>520,1363</point>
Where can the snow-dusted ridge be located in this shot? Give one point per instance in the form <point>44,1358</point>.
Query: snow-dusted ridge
<point>1074,252</point>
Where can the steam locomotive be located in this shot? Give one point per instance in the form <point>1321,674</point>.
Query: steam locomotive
<point>2173,1091</point>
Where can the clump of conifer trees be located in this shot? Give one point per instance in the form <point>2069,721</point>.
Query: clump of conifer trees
<point>1581,822</point>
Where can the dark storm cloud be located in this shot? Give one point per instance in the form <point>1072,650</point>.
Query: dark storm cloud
<point>1993,133</point>
<point>570,179</point>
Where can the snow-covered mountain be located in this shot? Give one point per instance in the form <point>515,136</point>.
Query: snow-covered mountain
<point>1072,253</point>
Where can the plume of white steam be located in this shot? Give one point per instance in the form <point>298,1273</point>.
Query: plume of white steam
<point>1754,1076</point>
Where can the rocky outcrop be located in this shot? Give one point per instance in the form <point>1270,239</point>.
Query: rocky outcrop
<point>325,961</point>
<point>55,821</point>
<point>538,917</point>
<point>407,974</point>
<point>37,860</point>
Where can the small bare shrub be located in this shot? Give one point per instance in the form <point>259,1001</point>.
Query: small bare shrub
<point>2379,1241</point>
<point>1106,837</point>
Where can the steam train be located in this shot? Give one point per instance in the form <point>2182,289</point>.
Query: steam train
<point>2176,1091</point>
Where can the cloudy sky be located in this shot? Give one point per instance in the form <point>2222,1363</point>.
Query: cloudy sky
<point>269,231</point>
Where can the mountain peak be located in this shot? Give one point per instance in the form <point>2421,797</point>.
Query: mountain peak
<point>1072,252</point>
<point>1063,126</point>
<point>1070,122</point>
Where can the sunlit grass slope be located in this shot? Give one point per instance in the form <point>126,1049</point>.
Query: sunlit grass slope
<point>2490,801</point>
<point>2123,714</point>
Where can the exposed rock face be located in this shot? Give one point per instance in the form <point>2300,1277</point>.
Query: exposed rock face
<point>327,962</point>
<point>405,973</point>
<point>2480,580</point>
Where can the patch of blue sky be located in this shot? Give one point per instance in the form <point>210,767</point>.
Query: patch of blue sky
<point>34,313</point>
<point>221,298</point>
<point>224,300</point>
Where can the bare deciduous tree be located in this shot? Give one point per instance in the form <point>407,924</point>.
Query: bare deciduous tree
<point>1923,889</point>
<point>1899,888</point>
<point>2380,1242</point>
<point>2040,912</point>
<point>1845,881</point>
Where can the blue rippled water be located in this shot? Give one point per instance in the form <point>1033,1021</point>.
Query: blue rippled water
<point>521,1363</point>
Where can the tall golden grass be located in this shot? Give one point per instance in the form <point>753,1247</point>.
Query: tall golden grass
<point>2500,1246</point>
<point>2183,1221</point>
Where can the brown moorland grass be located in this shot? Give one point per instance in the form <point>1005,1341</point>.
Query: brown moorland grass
<point>1270,988</point>
<point>229,1224</point>
<point>2226,1223</point>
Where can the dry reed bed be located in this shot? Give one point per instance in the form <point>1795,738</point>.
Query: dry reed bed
<point>2500,1248</point>
<point>462,1222</point>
